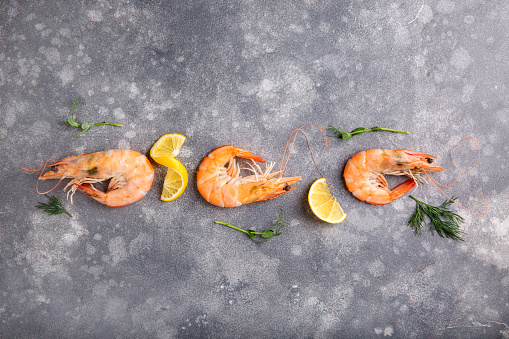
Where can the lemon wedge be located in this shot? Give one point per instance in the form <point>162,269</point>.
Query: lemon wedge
<point>167,146</point>
<point>175,181</point>
<point>323,204</point>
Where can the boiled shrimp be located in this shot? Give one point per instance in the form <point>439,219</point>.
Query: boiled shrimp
<point>219,181</point>
<point>364,173</point>
<point>130,174</point>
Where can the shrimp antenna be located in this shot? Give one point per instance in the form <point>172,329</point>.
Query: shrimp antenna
<point>294,136</point>
<point>40,170</point>
<point>436,183</point>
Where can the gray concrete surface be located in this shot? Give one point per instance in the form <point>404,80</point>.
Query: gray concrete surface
<point>248,73</point>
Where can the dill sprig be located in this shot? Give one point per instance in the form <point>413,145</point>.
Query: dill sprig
<point>348,135</point>
<point>443,221</point>
<point>261,237</point>
<point>53,207</point>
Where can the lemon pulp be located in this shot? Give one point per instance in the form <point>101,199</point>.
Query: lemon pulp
<point>167,145</point>
<point>323,204</point>
<point>175,181</point>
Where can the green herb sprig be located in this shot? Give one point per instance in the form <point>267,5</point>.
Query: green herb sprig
<point>261,237</point>
<point>85,126</point>
<point>53,207</point>
<point>443,221</point>
<point>345,135</point>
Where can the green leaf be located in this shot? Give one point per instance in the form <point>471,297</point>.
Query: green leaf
<point>268,234</point>
<point>360,130</point>
<point>265,235</point>
<point>251,233</point>
<point>85,127</point>
<point>72,123</point>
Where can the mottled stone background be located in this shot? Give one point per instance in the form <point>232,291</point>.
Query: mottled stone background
<point>247,73</point>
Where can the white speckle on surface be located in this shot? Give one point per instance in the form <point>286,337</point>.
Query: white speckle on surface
<point>297,250</point>
<point>65,32</point>
<point>95,16</point>
<point>100,289</point>
<point>150,116</point>
<point>469,19</point>
<point>134,90</point>
<point>266,85</point>
<point>49,246</point>
<point>69,239</point>
<point>90,249</point>
<point>420,60</point>
<point>46,33</point>
<point>296,29</point>
<point>295,222</point>
<point>488,150</point>
<point>376,268</point>
<point>143,242</point>
<point>445,6</point>
<point>401,34</point>
<point>123,144</point>
<point>118,113</point>
<point>10,117</point>
<point>461,58</point>
<point>130,134</point>
<point>468,90</point>
<point>115,308</point>
<point>66,75</point>
<point>51,54</point>
<point>388,331</point>
<point>56,42</point>
<point>23,66</point>
<point>501,228</point>
<point>40,26</point>
<point>425,15</point>
<point>117,250</point>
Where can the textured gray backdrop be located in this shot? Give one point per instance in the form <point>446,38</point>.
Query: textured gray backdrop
<point>248,73</point>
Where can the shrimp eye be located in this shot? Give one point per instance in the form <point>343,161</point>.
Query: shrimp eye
<point>286,188</point>
<point>430,160</point>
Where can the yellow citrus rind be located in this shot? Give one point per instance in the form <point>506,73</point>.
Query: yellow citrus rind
<point>323,204</point>
<point>175,181</point>
<point>167,145</point>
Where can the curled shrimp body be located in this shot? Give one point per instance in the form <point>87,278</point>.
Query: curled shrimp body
<point>130,174</point>
<point>223,186</point>
<point>364,173</point>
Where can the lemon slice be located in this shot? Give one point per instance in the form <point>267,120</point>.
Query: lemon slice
<point>175,181</point>
<point>323,204</point>
<point>167,146</point>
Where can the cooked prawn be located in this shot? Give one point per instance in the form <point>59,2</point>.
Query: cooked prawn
<point>130,174</point>
<point>364,173</point>
<point>223,186</point>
